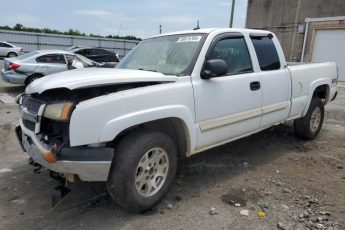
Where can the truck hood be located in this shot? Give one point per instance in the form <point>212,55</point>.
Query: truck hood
<point>83,78</point>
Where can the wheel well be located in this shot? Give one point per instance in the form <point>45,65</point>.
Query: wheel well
<point>174,127</point>
<point>322,92</point>
<point>33,75</point>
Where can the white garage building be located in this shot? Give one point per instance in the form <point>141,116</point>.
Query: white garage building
<point>324,40</point>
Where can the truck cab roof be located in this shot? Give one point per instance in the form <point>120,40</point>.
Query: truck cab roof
<point>215,30</point>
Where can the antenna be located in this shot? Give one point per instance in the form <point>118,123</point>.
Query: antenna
<point>197,26</point>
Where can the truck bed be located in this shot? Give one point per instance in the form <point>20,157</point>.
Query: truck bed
<point>304,79</point>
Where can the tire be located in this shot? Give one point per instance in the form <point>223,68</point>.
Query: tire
<point>11,54</point>
<point>134,166</point>
<point>309,126</point>
<point>32,78</point>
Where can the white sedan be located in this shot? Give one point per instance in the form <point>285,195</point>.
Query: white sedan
<point>9,50</point>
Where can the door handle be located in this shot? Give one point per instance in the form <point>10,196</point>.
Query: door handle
<point>255,85</point>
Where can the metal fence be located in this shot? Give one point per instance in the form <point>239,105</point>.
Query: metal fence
<point>36,41</point>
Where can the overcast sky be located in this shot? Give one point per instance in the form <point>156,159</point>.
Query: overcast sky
<point>129,17</point>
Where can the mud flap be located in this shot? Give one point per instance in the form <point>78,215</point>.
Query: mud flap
<point>18,131</point>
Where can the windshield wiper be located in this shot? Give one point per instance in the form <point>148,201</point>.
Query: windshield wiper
<point>151,70</point>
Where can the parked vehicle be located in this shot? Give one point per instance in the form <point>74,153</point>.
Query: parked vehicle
<point>110,59</point>
<point>26,68</point>
<point>9,50</point>
<point>172,96</point>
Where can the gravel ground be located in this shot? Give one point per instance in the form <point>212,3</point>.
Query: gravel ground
<point>296,184</point>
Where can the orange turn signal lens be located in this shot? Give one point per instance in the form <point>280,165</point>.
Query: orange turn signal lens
<point>49,156</point>
<point>66,111</point>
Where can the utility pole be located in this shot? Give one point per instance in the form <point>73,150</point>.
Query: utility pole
<point>160,29</point>
<point>119,30</point>
<point>232,13</point>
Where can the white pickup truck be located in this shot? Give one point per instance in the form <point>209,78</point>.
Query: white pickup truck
<point>173,95</point>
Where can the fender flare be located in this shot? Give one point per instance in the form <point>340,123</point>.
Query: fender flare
<point>119,124</point>
<point>312,88</point>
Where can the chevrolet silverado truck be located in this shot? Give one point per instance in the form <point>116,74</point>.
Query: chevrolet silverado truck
<point>172,96</point>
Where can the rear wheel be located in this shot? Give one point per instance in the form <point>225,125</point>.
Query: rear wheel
<point>32,78</point>
<point>310,125</point>
<point>143,169</point>
<point>12,54</point>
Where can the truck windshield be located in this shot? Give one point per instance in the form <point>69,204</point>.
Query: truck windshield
<point>170,55</point>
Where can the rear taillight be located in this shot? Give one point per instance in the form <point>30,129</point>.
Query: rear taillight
<point>13,66</point>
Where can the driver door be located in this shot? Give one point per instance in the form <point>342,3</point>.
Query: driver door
<point>229,106</point>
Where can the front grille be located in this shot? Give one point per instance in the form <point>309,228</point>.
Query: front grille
<point>29,125</point>
<point>32,105</point>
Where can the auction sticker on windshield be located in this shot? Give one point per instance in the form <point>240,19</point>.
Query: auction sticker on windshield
<point>189,39</point>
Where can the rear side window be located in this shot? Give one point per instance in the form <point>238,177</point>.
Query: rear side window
<point>98,52</point>
<point>235,53</point>
<point>52,58</point>
<point>267,53</point>
<point>81,52</point>
<point>87,52</point>
<point>5,45</point>
<point>105,52</point>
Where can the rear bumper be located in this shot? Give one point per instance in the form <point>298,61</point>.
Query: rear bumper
<point>13,77</point>
<point>89,163</point>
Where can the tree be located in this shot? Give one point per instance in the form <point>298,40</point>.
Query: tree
<point>74,32</point>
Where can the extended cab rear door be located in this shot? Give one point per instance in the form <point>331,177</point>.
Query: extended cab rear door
<point>275,79</point>
<point>229,106</point>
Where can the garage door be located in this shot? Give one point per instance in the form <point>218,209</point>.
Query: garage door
<point>329,45</point>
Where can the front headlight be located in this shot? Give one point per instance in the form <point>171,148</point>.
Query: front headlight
<point>59,111</point>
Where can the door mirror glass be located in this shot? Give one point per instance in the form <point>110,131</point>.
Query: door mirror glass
<point>214,68</point>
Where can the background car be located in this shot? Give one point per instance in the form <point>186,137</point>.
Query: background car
<point>9,50</point>
<point>110,59</point>
<point>26,68</point>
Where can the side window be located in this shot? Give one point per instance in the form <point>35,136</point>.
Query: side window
<point>106,52</point>
<point>87,52</point>
<point>5,45</point>
<point>81,52</point>
<point>51,58</point>
<point>267,53</point>
<point>235,53</point>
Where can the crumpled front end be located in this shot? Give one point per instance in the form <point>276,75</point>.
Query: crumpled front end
<point>46,140</point>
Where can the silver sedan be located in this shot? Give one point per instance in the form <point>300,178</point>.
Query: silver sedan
<point>28,67</point>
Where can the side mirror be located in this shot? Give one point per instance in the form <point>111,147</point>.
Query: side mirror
<point>69,64</point>
<point>214,68</point>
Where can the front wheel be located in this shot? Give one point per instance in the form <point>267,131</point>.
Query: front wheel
<point>309,126</point>
<point>142,170</point>
<point>11,55</point>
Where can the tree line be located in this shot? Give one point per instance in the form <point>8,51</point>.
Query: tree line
<point>20,27</point>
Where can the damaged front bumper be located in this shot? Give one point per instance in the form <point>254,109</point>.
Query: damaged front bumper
<point>89,163</point>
